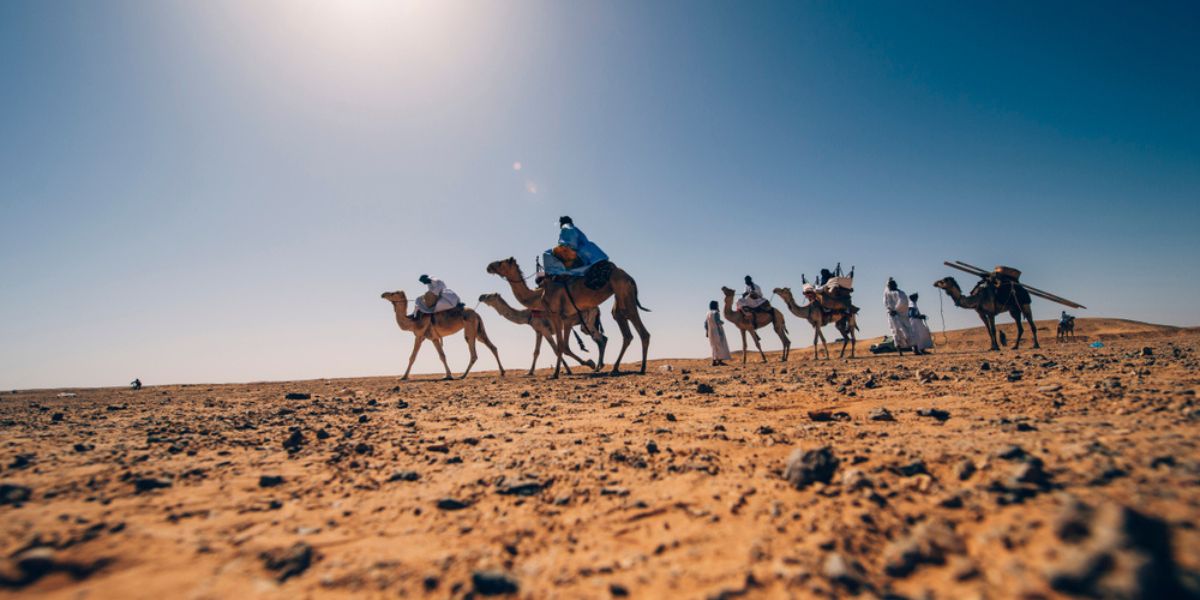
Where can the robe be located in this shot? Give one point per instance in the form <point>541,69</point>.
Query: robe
<point>589,253</point>
<point>445,298</point>
<point>921,338</point>
<point>897,302</point>
<point>746,301</point>
<point>714,329</point>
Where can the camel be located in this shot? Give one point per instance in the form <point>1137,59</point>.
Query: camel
<point>757,320</point>
<point>564,301</point>
<point>988,301</point>
<point>437,326</point>
<point>541,326</point>
<point>1066,327</point>
<point>818,317</point>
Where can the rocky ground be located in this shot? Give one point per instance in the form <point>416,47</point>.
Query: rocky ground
<point>1064,471</point>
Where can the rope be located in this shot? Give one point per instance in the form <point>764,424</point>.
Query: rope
<point>942,311</point>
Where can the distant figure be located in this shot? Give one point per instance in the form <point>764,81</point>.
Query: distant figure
<point>714,330</point>
<point>574,254</point>
<point>896,303</point>
<point>824,277</point>
<point>1066,325</point>
<point>921,338</point>
<point>439,298</point>
<point>752,298</point>
<point>136,384</point>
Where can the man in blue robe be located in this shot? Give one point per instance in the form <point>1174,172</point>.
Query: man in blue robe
<point>574,254</point>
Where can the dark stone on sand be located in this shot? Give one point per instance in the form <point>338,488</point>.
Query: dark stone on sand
<point>493,583</point>
<point>288,562</point>
<point>267,481</point>
<point>651,447</point>
<point>704,388</point>
<point>1012,452</point>
<point>323,435</point>
<point>880,414</point>
<point>617,590</point>
<point>524,487</point>
<point>57,417</point>
<point>443,448</point>
<point>401,404</point>
<point>935,413</point>
<point>294,441</point>
<point>930,543</point>
<point>297,396</point>
<point>11,493</point>
<point>964,469</point>
<point>363,448</point>
<point>909,469</point>
<point>840,571</point>
<point>805,467</point>
<point>452,504</point>
<point>404,476</point>
<point>145,484</point>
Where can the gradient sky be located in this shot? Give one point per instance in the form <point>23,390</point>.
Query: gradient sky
<point>219,191</point>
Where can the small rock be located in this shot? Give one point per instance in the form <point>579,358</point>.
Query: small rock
<point>266,481</point>
<point>452,504</point>
<point>520,488</point>
<point>11,493</point>
<point>915,467</point>
<point>618,591</point>
<point>840,571</point>
<point>935,413</point>
<point>1011,452</point>
<point>807,467</point>
<point>363,448</point>
<point>294,441</point>
<point>880,414</point>
<point>493,583</point>
<point>297,396</point>
<point>651,447</point>
<point>404,476</point>
<point>1147,351</point>
<point>145,484</point>
<point>964,469</point>
<point>704,388</point>
<point>288,562</point>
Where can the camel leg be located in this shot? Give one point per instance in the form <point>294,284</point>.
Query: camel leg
<point>560,332</point>
<point>626,338</point>
<point>1027,310</point>
<point>643,335</point>
<point>537,349</point>
<point>470,337</point>
<point>571,353</point>
<point>787,343</point>
<point>483,337</point>
<point>413,357</point>
<point>744,351</point>
<point>758,344</point>
<point>990,325</point>
<point>816,332</point>
<point>1015,313</point>
<point>600,339</point>
<point>437,343</point>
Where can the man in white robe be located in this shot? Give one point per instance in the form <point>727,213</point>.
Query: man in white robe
<point>752,298</point>
<point>714,330</point>
<point>439,297</point>
<point>922,340</point>
<point>896,303</point>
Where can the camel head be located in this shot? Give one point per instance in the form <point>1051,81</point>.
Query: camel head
<point>394,297</point>
<point>782,292</point>
<point>728,292</point>
<point>946,283</point>
<point>489,298</point>
<point>505,268</point>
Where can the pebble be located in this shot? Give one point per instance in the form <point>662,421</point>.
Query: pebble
<point>145,484</point>
<point>842,572</point>
<point>405,476</point>
<point>266,481</point>
<point>493,583</point>
<point>935,413</point>
<point>805,467</point>
<point>452,504</point>
<point>11,493</point>
<point>294,441</point>
<point>880,414</point>
<point>288,562</point>
<point>704,388</point>
<point>297,396</point>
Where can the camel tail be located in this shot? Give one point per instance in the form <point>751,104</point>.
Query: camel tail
<point>637,300</point>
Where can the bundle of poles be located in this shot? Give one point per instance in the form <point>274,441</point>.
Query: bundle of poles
<point>972,269</point>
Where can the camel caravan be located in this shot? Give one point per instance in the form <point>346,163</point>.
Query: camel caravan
<point>574,278</point>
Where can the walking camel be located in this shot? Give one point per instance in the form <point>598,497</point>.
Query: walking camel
<point>1066,327</point>
<point>564,301</point>
<point>989,300</point>
<point>541,326</point>
<point>818,317</point>
<point>757,320</point>
<point>437,326</point>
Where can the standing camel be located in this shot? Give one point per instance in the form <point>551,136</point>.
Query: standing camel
<point>564,301</point>
<point>437,326</point>
<point>541,326</point>
<point>818,317</point>
<point>757,320</point>
<point>1066,327</point>
<point>989,300</point>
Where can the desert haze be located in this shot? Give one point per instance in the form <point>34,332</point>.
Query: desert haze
<point>1068,469</point>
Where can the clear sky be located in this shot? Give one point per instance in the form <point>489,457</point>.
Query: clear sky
<point>219,191</point>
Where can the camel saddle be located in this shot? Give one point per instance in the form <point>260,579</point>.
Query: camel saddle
<point>597,275</point>
<point>457,311</point>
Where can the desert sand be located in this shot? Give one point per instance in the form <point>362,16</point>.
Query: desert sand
<point>1053,472</point>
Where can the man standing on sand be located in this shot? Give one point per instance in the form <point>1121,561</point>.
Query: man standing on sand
<point>922,340</point>
<point>896,303</point>
<point>714,330</point>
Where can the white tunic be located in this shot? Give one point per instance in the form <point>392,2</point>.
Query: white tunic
<point>751,298</point>
<point>444,298</point>
<point>921,338</point>
<point>897,302</point>
<point>714,328</point>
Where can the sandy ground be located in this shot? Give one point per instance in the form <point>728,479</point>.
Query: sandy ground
<point>1068,470</point>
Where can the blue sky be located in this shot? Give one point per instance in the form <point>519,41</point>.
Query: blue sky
<point>219,191</point>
